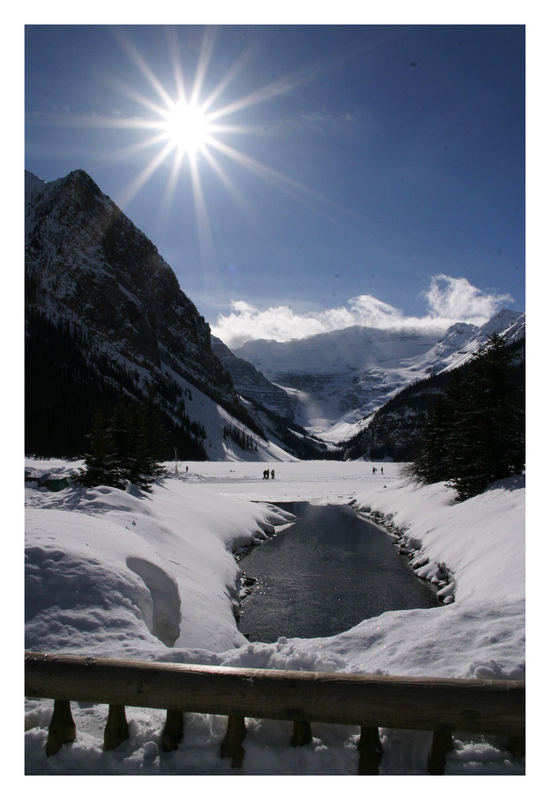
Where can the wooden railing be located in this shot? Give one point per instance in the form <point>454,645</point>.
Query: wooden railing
<point>440,705</point>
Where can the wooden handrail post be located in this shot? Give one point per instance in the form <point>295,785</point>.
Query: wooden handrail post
<point>442,744</point>
<point>370,751</point>
<point>301,734</point>
<point>232,745</point>
<point>116,729</point>
<point>172,733</point>
<point>62,729</point>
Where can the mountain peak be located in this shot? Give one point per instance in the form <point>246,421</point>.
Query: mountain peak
<point>81,178</point>
<point>338,379</point>
<point>102,284</point>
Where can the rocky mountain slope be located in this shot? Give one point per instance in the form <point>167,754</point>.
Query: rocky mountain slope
<point>251,383</point>
<point>394,431</point>
<point>105,317</point>
<point>462,340</point>
<point>271,406</point>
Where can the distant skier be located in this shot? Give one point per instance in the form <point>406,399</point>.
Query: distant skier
<point>382,470</point>
<point>273,474</point>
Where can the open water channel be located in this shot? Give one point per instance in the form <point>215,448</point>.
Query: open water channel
<point>324,574</point>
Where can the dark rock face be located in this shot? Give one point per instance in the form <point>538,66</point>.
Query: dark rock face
<point>251,383</point>
<point>88,264</point>
<point>105,318</point>
<point>271,407</point>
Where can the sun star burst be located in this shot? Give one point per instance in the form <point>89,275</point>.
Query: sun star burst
<point>187,127</point>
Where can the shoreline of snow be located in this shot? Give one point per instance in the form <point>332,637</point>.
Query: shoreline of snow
<point>436,573</point>
<point>426,517</point>
<point>421,534</point>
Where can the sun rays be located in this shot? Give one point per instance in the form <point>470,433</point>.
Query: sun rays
<point>187,127</point>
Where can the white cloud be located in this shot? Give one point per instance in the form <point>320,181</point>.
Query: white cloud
<point>457,299</point>
<point>449,300</point>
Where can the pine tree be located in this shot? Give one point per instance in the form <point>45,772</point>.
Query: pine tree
<point>122,432</point>
<point>475,433</point>
<point>102,463</point>
<point>126,447</point>
<point>459,403</point>
<point>151,442</point>
<point>489,424</point>
<point>431,464</point>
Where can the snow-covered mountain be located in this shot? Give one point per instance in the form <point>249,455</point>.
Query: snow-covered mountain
<point>461,341</point>
<point>270,406</point>
<point>395,430</point>
<point>105,317</point>
<point>251,383</point>
<point>337,380</point>
<point>88,264</point>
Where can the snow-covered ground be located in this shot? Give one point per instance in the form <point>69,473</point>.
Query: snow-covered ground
<point>118,574</point>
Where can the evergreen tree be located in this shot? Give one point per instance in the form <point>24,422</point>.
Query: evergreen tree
<point>475,433</point>
<point>489,441</point>
<point>128,441</point>
<point>102,462</point>
<point>150,444</point>
<point>432,462</point>
<point>459,403</point>
<point>126,447</point>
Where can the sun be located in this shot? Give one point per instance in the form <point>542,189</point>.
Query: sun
<point>187,127</point>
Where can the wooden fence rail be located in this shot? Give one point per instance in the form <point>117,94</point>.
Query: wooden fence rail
<point>441,705</point>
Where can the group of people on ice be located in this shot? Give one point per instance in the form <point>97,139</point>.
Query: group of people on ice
<point>266,473</point>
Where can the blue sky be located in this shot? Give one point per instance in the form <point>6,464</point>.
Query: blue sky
<point>358,173</point>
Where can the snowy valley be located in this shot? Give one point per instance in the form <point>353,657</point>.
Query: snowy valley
<point>336,381</point>
<point>106,315</point>
<point>125,573</point>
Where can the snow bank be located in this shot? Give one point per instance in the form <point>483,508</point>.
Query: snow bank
<point>115,574</point>
<point>112,573</point>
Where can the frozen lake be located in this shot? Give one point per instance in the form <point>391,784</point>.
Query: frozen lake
<point>324,574</point>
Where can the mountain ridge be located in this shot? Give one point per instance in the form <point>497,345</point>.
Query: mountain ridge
<point>338,379</point>
<point>105,309</point>
<point>101,300</point>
